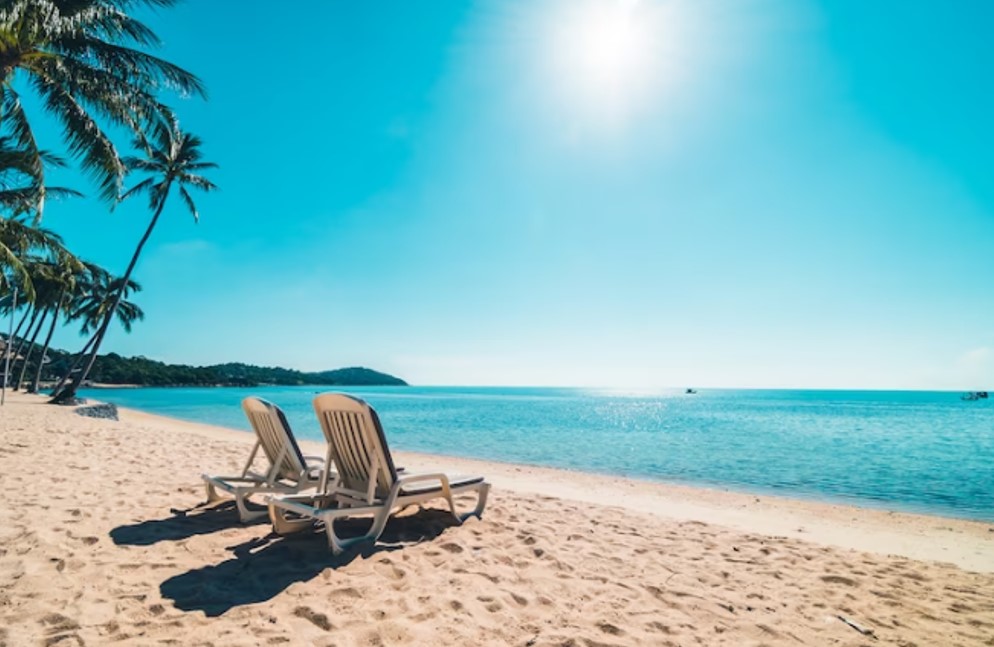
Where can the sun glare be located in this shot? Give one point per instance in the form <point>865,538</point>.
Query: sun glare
<point>607,47</point>
<point>611,57</point>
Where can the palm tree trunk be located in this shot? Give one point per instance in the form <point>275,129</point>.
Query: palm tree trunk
<point>72,367</point>
<point>24,317</point>
<point>69,394</point>
<point>6,349</point>
<point>9,351</point>
<point>30,349</point>
<point>20,345</point>
<point>48,340</point>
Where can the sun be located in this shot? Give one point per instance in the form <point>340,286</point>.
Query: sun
<point>610,57</point>
<point>605,46</point>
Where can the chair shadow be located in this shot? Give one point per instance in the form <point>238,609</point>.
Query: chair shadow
<point>182,525</point>
<point>264,567</point>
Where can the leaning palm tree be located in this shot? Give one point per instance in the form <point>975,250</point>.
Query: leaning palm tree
<point>96,293</point>
<point>22,197</point>
<point>19,243</point>
<point>46,289</point>
<point>63,276</point>
<point>84,60</point>
<point>35,304</point>
<point>173,160</point>
<point>17,240</point>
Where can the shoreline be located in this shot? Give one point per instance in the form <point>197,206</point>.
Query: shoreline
<point>911,505</point>
<point>105,537</point>
<point>965,542</point>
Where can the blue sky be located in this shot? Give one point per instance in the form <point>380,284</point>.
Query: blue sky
<point>764,193</point>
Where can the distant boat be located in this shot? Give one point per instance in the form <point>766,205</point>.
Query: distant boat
<point>692,392</point>
<point>974,395</point>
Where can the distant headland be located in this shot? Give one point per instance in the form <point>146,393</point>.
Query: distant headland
<point>114,370</point>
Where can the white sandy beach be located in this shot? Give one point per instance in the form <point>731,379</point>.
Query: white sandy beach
<point>101,542</point>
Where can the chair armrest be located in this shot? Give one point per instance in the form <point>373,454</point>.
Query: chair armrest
<point>414,478</point>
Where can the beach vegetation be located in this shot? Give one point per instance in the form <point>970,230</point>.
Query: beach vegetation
<point>99,297</point>
<point>173,163</point>
<point>87,64</point>
<point>113,369</point>
<point>22,196</point>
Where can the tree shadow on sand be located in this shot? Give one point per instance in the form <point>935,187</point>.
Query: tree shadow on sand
<point>264,567</point>
<point>182,525</point>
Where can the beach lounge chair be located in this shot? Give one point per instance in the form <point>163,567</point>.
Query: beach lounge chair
<point>289,471</point>
<point>367,482</point>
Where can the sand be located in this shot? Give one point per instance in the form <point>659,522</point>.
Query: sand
<point>101,541</point>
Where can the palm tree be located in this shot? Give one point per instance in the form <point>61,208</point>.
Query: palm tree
<point>22,188</point>
<point>83,59</point>
<point>17,240</point>
<point>96,293</point>
<point>41,279</point>
<point>173,159</point>
<point>62,277</point>
<point>23,196</point>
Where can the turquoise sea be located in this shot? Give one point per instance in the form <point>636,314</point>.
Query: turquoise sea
<point>916,451</point>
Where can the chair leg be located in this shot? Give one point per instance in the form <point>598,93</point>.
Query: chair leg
<point>379,523</point>
<point>285,526</point>
<point>481,502</point>
<point>244,514</point>
<point>339,545</point>
<point>212,495</point>
<point>452,506</point>
<point>334,543</point>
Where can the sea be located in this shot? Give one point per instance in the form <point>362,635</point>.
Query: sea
<point>926,452</point>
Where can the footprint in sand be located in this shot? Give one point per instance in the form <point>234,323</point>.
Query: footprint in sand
<point>838,579</point>
<point>319,620</point>
<point>347,592</point>
<point>60,629</point>
<point>659,627</point>
<point>452,547</point>
<point>57,622</point>
<point>519,599</point>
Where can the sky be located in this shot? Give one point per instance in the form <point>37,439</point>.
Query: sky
<point>653,193</point>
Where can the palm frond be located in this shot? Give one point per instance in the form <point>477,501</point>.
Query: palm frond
<point>85,137</point>
<point>189,203</point>
<point>141,187</point>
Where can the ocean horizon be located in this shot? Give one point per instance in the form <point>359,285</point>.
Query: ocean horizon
<point>925,452</point>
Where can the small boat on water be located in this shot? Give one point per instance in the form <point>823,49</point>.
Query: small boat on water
<point>690,391</point>
<point>974,395</point>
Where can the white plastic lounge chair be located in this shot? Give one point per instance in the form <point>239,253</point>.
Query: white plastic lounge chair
<point>289,471</point>
<point>367,481</point>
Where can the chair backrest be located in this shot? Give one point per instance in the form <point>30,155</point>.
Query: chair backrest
<point>275,436</point>
<point>358,446</point>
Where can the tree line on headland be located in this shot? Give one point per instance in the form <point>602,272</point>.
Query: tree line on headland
<point>87,63</point>
<point>113,369</point>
